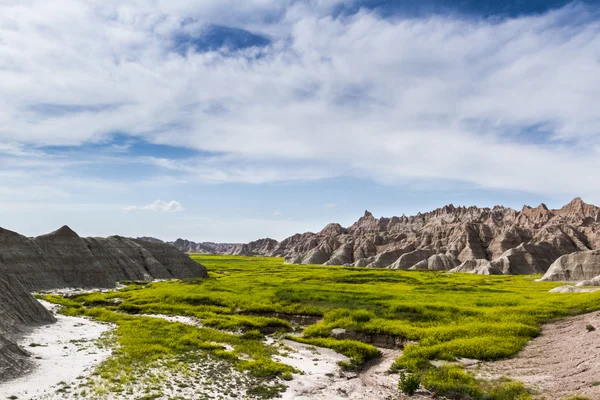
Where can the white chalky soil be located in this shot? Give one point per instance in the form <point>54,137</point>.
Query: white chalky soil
<point>62,352</point>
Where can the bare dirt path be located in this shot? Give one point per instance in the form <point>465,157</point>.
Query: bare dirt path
<point>563,362</point>
<point>324,380</point>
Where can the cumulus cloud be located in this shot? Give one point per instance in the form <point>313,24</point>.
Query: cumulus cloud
<point>502,104</point>
<point>157,206</point>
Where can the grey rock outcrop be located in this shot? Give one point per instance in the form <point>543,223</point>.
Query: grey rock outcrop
<point>261,247</point>
<point>389,257</point>
<point>188,246</point>
<point>480,267</point>
<point>18,311</point>
<point>580,266</point>
<point>63,259</point>
<point>408,260</point>
<point>255,248</point>
<point>437,262</point>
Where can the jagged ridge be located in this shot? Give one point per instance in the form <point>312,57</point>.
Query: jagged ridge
<point>462,239</point>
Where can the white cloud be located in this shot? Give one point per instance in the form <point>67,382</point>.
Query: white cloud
<point>442,98</point>
<point>157,206</point>
<point>330,206</point>
<point>277,213</point>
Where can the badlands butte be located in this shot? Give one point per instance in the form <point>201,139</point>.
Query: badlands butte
<point>562,244</point>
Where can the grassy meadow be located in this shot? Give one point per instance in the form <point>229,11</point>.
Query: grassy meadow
<point>438,316</point>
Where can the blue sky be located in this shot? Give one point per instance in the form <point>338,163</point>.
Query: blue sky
<point>229,121</point>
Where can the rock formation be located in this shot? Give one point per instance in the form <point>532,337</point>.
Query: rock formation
<point>258,247</point>
<point>261,247</point>
<point>18,310</point>
<point>581,266</point>
<point>63,259</point>
<point>496,240</point>
<point>203,247</point>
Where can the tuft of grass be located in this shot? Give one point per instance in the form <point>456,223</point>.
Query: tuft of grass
<point>357,352</point>
<point>454,383</point>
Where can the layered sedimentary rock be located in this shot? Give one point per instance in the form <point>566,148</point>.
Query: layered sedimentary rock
<point>581,266</point>
<point>258,247</point>
<point>437,262</point>
<point>202,247</point>
<point>63,259</point>
<point>18,310</point>
<point>261,247</point>
<point>496,240</point>
<point>481,267</point>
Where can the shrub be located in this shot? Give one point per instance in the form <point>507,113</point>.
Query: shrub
<point>590,328</point>
<point>409,383</point>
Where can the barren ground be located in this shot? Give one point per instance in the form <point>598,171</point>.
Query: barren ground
<point>564,361</point>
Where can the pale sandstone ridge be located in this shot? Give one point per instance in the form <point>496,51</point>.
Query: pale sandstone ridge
<point>496,240</point>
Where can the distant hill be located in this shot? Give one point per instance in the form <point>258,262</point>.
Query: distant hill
<point>258,247</point>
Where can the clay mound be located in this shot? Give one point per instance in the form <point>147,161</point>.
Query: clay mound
<point>408,260</point>
<point>575,267</point>
<point>18,310</point>
<point>174,262</point>
<point>437,262</point>
<point>480,267</point>
<point>62,259</point>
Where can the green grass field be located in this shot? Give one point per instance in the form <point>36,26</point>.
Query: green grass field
<point>444,316</point>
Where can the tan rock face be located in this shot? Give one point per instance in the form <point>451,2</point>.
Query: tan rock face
<point>502,240</point>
